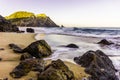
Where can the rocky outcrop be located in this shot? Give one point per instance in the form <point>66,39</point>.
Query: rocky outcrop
<point>23,18</point>
<point>57,70</point>
<point>26,66</point>
<point>38,49</point>
<point>105,42</point>
<point>6,26</point>
<point>98,65</point>
<point>72,46</point>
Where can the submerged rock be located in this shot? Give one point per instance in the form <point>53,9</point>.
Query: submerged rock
<point>72,46</point>
<point>105,42</point>
<point>98,65</point>
<point>36,49</point>
<point>26,66</point>
<point>30,30</point>
<point>57,70</point>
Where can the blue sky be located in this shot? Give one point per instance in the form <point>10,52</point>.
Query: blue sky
<point>71,13</point>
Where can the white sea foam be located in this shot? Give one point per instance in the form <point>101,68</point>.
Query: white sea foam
<point>86,39</point>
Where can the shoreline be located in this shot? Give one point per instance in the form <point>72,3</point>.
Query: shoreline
<point>11,60</point>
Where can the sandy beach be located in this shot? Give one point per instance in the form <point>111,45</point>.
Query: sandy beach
<point>10,59</point>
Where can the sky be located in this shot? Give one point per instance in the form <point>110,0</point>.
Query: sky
<point>70,13</point>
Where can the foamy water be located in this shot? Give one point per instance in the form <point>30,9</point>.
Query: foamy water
<point>86,39</point>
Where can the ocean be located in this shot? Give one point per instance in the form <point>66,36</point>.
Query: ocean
<point>85,38</point>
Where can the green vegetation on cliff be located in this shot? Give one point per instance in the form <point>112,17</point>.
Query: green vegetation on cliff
<point>20,14</point>
<point>23,18</point>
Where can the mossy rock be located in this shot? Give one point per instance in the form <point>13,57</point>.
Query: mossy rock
<point>26,66</point>
<point>57,70</point>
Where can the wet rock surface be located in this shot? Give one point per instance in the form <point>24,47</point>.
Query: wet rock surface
<point>57,70</point>
<point>26,66</point>
<point>30,30</point>
<point>72,46</point>
<point>25,56</point>
<point>38,49</point>
<point>15,48</point>
<point>98,65</point>
<point>105,42</point>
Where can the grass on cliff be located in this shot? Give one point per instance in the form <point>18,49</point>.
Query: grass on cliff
<point>25,14</point>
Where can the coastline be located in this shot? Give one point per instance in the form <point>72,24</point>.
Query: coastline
<point>10,60</point>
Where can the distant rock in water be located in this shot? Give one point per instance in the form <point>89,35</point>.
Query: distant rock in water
<point>30,30</point>
<point>57,70</point>
<point>28,19</point>
<point>6,26</point>
<point>105,42</point>
<point>38,49</point>
<point>26,66</point>
<point>98,65</point>
<point>72,46</point>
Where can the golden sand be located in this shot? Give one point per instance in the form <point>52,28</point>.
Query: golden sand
<point>10,60</point>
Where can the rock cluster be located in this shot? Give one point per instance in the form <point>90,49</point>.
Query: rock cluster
<point>98,65</point>
<point>6,26</point>
<point>57,70</point>
<point>26,66</point>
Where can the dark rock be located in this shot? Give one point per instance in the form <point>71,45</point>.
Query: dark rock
<point>98,65</point>
<point>26,66</point>
<point>5,79</point>
<point>105,42</point>
<point>20,31</point>
<point>0,59</point>
<point>2,49</point>
<point>6,26</point>
<point>25,56</point>
<point>30,30</point>
<point>57,70</point>
<point>37,49</point>
<point>15,48</point>
<point>72,46</point>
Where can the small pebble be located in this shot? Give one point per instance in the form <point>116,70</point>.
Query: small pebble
<point>0,59</point>
<point>2,49</point>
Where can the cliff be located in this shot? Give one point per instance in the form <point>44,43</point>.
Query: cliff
<point>28,19</point>
<point>6,26</point>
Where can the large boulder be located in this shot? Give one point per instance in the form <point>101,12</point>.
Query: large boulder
<point>105,42</point>
<point>98,65</point>
<point>26,66</point>
<point>28,19</point>
<point>57,70</point>
<point>6,26</point>
<point>38,49</point>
